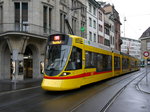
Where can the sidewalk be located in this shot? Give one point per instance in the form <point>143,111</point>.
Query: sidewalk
<point>9,85</point>
<point>144,84</point>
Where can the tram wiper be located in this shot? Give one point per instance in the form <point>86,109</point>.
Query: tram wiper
<point>48,69</point>
<point>51,68</point>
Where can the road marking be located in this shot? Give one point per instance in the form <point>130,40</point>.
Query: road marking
<point>13,91</point>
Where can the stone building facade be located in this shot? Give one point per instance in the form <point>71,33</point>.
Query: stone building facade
<point>101,19</point>
<point>92,20</point>
<point>24,28</point>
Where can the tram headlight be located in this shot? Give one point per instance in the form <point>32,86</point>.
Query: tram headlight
<point>64,74</point>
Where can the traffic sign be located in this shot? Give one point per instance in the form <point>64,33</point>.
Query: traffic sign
<point>146,53</point>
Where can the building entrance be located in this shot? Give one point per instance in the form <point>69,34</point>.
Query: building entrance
<point>28,69</point>
<point>28,63</point>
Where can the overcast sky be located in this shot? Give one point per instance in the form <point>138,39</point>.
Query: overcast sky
<point>137,13</point>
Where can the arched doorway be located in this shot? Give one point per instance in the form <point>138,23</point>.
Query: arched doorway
<point>28,63</point>
<point>31,62</point>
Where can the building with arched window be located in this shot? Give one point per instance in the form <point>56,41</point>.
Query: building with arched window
<point>24,28</point>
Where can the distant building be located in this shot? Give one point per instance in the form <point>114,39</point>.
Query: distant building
<point>145,42</point>
<point>131,47</point>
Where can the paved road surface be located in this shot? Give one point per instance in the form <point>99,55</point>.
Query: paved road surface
<point>90,98</point>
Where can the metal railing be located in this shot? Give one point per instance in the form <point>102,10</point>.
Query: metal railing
<point>26,28</point>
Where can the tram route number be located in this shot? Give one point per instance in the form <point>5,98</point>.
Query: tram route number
<point>78,40</point>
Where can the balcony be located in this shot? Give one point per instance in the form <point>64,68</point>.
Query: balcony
<point>25,29</point>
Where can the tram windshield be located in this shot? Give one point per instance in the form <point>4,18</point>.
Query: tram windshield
<point>56,58</point>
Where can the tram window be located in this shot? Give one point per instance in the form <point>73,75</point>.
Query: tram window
<point>87,59</point>
<point>90,60</point>
<point>116,63</point>
<point>125,63</point>
<point>94,60</point>
<point>99,63</point>
<point>107,62</point>
<point>54,52</point>
<point>75,61</point>
<point>132,64</point>
<point>136,64</point>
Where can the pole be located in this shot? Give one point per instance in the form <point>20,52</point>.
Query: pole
<point>15,66</point>
<point>124,25</point>
<point>15,76</point>
<point>146,74</point>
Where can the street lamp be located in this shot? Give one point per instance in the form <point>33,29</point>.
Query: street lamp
<point>124,25</point>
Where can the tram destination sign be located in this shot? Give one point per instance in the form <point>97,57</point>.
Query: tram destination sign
<point>58,39</point>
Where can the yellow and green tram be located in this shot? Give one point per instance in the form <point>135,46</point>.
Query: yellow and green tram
<point>72,62</point>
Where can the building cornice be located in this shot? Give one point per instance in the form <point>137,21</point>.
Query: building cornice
<point>94,3</point>
<point>21,0</point>
<point>144,38</point>
<point>22,34</point>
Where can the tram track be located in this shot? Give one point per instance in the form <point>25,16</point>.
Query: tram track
<point>51,98</point>
<point>112,100</point>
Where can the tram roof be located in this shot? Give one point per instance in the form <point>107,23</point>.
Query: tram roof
<point>97,45</point>
<point>126,55</point>
<point>100,46</point>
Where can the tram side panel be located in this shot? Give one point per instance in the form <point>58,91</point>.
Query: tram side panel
<point>125,64</point>
<point>117,64</point>
<point>98,64</point>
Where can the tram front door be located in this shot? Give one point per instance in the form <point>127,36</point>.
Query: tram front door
<point>28,68</point>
